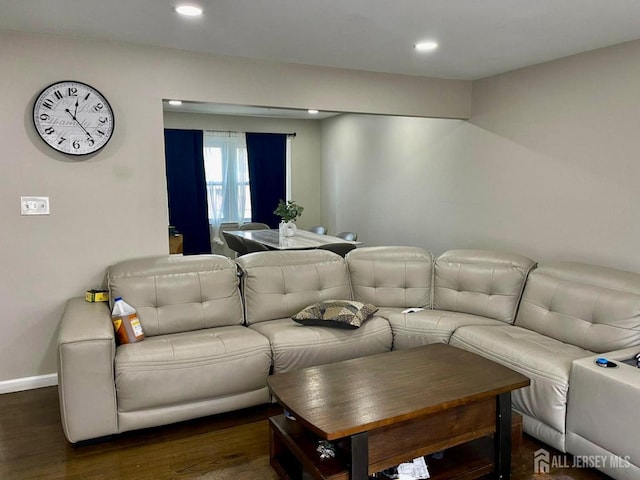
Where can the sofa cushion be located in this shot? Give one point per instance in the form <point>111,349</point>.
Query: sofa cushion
<point>593,307</point>
<point>279,284</point>
<point>386,312</point>
<point>480,282</point>
<point>335,313</point>
<point>431,326</point>
<point>547,362</point>
<point>188,367</point>
<point>391,276</point>
<point>179,293</point>
<point>296,346</point>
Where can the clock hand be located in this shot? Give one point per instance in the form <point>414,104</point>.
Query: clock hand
<point>75,112</point>
<point>76,120</point>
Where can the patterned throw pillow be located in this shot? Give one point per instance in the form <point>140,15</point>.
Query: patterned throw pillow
<point>335,313</point>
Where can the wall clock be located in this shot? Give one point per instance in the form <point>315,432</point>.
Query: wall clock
<point>73,118</point>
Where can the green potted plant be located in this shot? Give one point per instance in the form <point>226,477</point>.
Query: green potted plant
<point>288,211</point>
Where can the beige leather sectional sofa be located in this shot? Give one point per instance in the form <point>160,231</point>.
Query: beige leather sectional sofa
<point>216,329</point>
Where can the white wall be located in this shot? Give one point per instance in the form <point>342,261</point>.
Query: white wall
<point>396,180</point>
<point>547,166</point>
<point>305,151</point>
<point>568,133</point>
<point>113,205</point>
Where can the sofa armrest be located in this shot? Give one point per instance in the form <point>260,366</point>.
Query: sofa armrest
<point>602,404</point>
<point>86,388</point>
<point>619,355</point>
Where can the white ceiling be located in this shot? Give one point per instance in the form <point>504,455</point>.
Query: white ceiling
<point>477,38</point>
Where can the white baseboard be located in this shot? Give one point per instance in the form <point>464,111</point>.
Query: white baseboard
<point>28,383</point>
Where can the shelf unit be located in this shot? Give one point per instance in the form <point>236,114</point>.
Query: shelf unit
<point>293,450</point>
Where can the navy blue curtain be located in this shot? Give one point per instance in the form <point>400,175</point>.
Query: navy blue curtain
<point>186,187</point>
<point>266,153</point>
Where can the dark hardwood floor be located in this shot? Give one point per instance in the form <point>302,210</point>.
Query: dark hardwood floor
<point>229,446</point>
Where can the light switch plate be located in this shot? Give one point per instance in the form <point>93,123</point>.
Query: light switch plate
<point>34,205</point>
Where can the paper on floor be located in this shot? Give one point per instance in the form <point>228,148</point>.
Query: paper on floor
<point>416,470</point>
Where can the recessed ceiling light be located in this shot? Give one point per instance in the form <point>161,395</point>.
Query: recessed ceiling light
<point>426,46</point>
<point>175,102</point>
<point>313,112</point>
<point>189,10</point>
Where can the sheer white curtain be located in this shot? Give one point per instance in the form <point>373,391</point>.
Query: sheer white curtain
<point>227,177</point>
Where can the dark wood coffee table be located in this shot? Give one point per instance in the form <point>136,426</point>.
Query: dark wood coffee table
<point>385,409</point>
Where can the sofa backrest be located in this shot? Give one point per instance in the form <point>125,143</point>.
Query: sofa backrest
<point>179,293</point>
<point>279,284</point>
<point>480,282</point>
<point>595,308</point>
<point>391,276</point>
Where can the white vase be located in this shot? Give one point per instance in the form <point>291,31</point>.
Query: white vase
<point>287,229</point>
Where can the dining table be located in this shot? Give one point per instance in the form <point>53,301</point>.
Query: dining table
<point>302,240</point>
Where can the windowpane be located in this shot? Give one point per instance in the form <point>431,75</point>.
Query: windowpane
<point>227,177</point>
<point>242,165</point>
<point>247,203</point>
<point>213,164</point>
<point>214,194</point>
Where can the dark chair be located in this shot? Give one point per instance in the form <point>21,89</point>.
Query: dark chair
<point>322,230</point>
<point>254,226</point>
<point>235,243</point>
<point>253,246</point>
<point>340,248</point>
<point>351,236</point>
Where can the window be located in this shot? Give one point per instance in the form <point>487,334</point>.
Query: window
<point>227,177</point>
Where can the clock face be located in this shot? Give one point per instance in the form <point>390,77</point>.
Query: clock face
<point>73,118</point>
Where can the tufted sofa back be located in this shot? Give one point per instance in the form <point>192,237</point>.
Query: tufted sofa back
<point>480,282</point>
<point>179,293</point>
<point>280,284</point>
<point>592,307</point>
<point>391,276</point>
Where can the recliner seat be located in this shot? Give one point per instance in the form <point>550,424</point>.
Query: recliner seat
<point>191,312</point>
<point>471,287</point>
<point>568,311</point>
<point>279,285</point>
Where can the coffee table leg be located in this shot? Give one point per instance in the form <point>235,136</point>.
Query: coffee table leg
<point>360,456</point>
<point>502,437</point>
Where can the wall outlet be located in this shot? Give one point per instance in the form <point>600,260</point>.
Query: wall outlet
<point>34,205</point>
